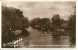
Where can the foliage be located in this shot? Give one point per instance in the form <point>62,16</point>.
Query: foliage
<point>39,23</point>
<point>25,22</point>
<point>56,20</point>
<point>13,19</point>
<point>72,28</point>
<point>11,15</point>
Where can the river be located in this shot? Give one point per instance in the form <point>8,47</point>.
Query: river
<point>40,39</point>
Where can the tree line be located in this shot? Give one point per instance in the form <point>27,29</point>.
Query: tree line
<point>48,24</point>
<point>12,20</point>
<point>57,25</point>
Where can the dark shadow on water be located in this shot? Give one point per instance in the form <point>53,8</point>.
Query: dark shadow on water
<point>56,40</point>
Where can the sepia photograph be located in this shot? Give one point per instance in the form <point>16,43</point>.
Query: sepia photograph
<point>38,24</point>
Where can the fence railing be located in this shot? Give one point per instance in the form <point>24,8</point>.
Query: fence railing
<point>19,43</point>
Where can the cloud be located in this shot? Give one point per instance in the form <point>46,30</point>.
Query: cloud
<point>44,9</point>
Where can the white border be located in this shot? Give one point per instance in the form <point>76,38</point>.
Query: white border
<point>40,0</point>
<point>76,23</point>
<point>38,49</point>
<point>43,48</point>
<point>0,25</point>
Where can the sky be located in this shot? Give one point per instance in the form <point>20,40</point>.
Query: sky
<point>43,9</point>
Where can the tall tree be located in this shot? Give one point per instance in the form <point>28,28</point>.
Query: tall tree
<point>56,20</point>
<point>72,28</point>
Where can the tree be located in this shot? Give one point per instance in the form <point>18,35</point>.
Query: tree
<point>35,21</point>
<point>45,24</point>
<point>11,15</point>
<point>11,19</point>
<point>6,25</point>
<point>19,13</point>
<point>25,22</point>
<point>45,20</point>
<point>56,20</point>
<point>72,28</point>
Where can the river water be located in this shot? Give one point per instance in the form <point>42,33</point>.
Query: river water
<point>40,39</point>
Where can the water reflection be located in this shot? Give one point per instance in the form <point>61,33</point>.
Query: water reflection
<point>56,40</point>
<point>61,40</point>
<point>46,38</point>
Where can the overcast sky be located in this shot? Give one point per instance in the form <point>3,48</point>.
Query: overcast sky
<point>44,9</point>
